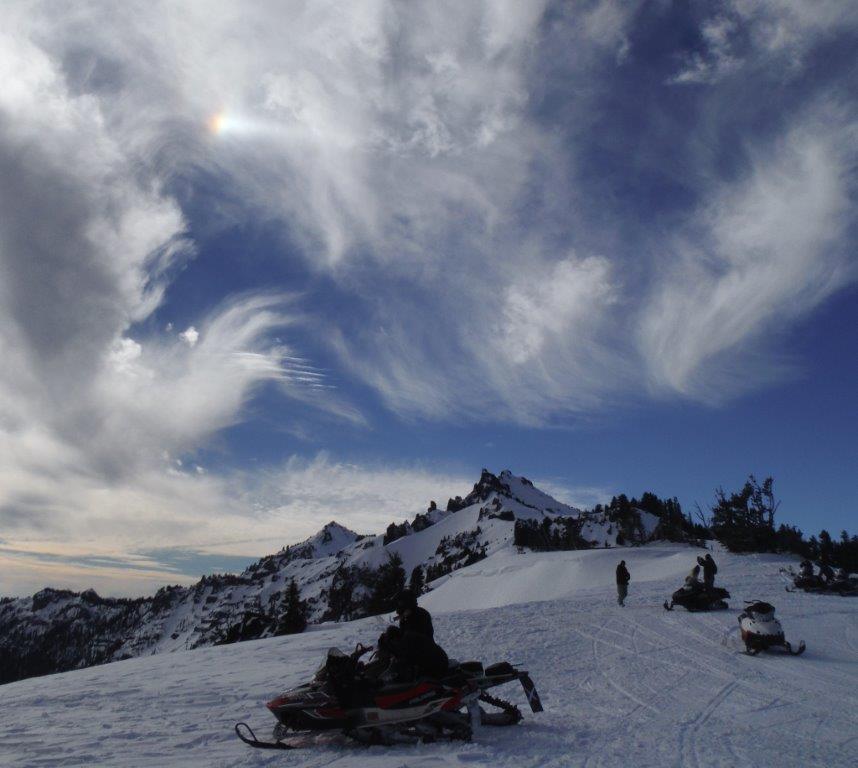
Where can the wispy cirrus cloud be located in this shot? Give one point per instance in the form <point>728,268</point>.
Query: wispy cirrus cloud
<point>758,255</point>
<point>532,212</point>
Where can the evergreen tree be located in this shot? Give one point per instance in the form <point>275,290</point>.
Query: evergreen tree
<point>341,594</point>
<point>826,546</point>
<point>745,521</point>
<point>387,584</point>
<point>417,582</point>
<point>293,612</point>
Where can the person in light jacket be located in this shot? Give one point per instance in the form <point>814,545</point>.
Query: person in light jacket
<point>692,581</point>
<point>623,579</point>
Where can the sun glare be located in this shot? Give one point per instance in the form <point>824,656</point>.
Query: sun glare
<point>217,122</point>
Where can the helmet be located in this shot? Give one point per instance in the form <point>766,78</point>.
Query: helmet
<point>407,601</point>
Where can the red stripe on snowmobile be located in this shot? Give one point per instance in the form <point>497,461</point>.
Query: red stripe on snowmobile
<point>333,713</point>
<point>396,698</point>
<point>454,703</point>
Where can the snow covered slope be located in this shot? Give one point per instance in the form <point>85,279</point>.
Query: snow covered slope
<point>635,686</point>
<point>59,630</point>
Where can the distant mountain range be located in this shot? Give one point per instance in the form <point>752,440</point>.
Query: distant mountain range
<point>338,574</point>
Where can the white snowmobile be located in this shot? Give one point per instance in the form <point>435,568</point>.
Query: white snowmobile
<point>761,630</point>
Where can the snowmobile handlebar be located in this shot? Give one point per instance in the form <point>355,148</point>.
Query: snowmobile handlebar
<point>361,650</point>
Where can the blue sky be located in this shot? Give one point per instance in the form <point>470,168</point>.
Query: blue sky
<point>264,268</point>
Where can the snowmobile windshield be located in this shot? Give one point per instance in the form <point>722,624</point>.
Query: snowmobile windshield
<point>761,609</point>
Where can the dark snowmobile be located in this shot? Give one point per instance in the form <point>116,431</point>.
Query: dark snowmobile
<point>761,631</point>
<point>342,697</point>
<point>698,598</point>
<point>843,585</point>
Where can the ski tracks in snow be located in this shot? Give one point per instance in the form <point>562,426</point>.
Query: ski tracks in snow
<point>634,686</point>
<point>689,732</point>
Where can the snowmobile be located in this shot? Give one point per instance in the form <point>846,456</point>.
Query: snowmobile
<point>698,598</point>
<point>761,630</point>
<point>843,585</point>
<point>374,710</point>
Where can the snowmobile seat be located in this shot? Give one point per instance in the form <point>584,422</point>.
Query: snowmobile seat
<point>501,668</point>
<point>460,671</point>
<point>763,611</point>
<point>470,667</point>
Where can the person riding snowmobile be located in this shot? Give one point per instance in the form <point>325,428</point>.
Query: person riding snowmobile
<point>808,579</point>
<point>692,581</point>
<point>693,596</point>
<point>709,570</point>
<point>413,618</point>
<point>410,649</point>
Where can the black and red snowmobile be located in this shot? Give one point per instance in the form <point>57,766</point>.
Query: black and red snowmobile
<point>761,631</point>
<point>699,598</point>
<point>374,710</point>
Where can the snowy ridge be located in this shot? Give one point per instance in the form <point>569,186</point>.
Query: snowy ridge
<point>59,630</point>
<point>634,686</point>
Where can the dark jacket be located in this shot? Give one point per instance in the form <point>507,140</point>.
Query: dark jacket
<point>417,620</point>
<point>623,576</point>
<point>709,567</point>
<point>413,645</point>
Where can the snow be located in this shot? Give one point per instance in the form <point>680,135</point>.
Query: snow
<point>509,577</point>
<point>635,686</point>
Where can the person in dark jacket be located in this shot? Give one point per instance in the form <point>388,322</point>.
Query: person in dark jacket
<point>623,579</point>
<point>411,646</point>
<point>709,570</point>
<point>413,618</point>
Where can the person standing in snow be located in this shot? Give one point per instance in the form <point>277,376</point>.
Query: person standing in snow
<point>623,579</point>
<point>709,570</point>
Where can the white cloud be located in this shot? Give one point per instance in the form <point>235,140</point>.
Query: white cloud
<point>557,303</point>
<point>392,140</point>
<point>190,336</point>
<point>773,248</point>
<point>242,513</point>
<point>763,33</point>
<point>89,241</point>
<point>718,60</point>
<point>404,151</point>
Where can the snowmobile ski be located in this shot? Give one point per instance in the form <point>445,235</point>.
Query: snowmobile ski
<point>531,692</point>
<point>256,743</point>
